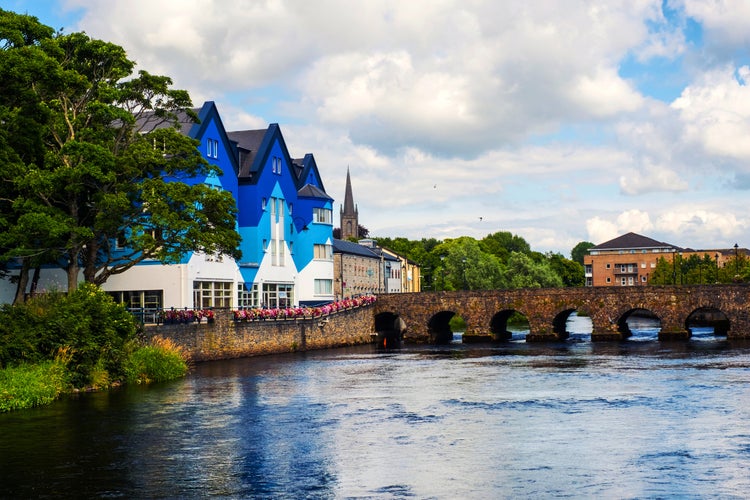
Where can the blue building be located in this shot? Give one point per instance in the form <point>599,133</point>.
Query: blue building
<point>284,219</point>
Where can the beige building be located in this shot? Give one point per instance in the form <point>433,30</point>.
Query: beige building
<point>409,273</point>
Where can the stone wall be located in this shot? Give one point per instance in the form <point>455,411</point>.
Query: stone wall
<point>225,338</point>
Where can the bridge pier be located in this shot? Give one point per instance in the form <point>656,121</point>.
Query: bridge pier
<point>545,337</point>
<point>607,335</point>
<point>674,333</point>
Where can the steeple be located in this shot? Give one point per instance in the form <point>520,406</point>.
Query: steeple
<point>349,212</point>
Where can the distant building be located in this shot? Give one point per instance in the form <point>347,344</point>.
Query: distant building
<point>365,267</point>
<point>630,259</point>
<point>349,216</point>
<point>356,270</point>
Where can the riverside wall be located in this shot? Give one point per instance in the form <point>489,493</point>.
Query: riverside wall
<point>225,338</point>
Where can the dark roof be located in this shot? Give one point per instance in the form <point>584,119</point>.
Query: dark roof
<point>148,121</point>
<point>310,191</point>
<point>343,246</point>
<point>630,241</point>
<point>248,144</point>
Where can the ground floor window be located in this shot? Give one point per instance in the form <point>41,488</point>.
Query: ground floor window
<point>208,294</point>
<point>278,295</point>
<point>145,305</point>
<point>323,287</point>
<point>248,295</point>
<point>140,299</point>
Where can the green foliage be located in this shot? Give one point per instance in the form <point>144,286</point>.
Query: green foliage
<point>502,243</point>
<point>457,323</point>
<point>700,269</point>
<point>580,251</point>
<point>158,362</point>
<point>29,385</point>
<point>571,272</point>
<point>523,272</point>
<point>87,321</point>
<point>91,154</point>
<point>499,260</point>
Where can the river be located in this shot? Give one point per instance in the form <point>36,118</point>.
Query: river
<point>575,419</point>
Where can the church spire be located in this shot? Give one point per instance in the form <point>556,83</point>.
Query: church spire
<point>349,212</point>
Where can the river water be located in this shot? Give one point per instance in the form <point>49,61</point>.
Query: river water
<point>634,419</point>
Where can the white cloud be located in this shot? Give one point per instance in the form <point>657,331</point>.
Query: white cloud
<point>715,112</point>
<point>655,178</point>
<point>514,111</point>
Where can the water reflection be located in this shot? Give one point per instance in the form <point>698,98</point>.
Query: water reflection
<point>573,418</point>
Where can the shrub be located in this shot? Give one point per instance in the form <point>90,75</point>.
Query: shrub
<point>87,321</point>
<point>160,361</point>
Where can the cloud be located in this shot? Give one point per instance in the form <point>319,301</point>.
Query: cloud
<point>445,111</point>
<point>655,178</point>
<point>715,112</point>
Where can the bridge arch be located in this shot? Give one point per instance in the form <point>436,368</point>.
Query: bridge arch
<point>389,328</point>
<point>439,328</point>
<point>639,319</point>
<point>708,316</point>
<point>499,323</point>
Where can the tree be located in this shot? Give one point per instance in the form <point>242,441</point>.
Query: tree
<point>523,272</point>
<point>502,243</point>
<point>570,272</point>
<point>580,251</point>
<point>115,184</point>
<point>466,267</point>
<point>23,63</point>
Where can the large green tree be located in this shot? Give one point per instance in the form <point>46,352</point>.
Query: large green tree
<point>109,183</point>
<point>580,251</point>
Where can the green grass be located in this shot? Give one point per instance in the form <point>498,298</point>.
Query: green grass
<point>29,385</point>
<point>160,361</point>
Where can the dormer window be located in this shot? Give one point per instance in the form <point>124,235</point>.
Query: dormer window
<point>276,165</point>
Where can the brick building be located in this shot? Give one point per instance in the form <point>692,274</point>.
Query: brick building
<point>630,259</point>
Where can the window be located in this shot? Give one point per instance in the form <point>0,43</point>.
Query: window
<point>643,279</point>
<point>143,304</point>
<point>323,252</point>
<point>276,165</point>
<point>212,148</point>
<point>323,287</point>
<point>247,295</point>
<point>139,299</point>
<point>608,266</point>
<point>609,280</point>
<point>212,294</point>
<point>277,295</point>
<point>263,203</point>
<point>323,215</point>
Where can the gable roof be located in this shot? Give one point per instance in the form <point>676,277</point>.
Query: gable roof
<point>248,144</point>
<point>191,123</point>
<point>630,241</point>
<point>310,191</point>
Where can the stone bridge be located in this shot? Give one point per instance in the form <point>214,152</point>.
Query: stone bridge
<point>424,316</point>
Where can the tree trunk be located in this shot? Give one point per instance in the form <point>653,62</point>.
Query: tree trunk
<point>23,280</point>
<point>72,270</point>
<point>35,280</point>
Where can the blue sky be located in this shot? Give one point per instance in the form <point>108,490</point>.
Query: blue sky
<point>559,121</point>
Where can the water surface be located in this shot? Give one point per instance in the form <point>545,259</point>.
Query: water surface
<point>636,419</point>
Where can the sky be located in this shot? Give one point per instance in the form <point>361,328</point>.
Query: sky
<point>558,121</point>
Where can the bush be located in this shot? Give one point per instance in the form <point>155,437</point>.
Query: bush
<point>162,360</point>
<point>87,321</point>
